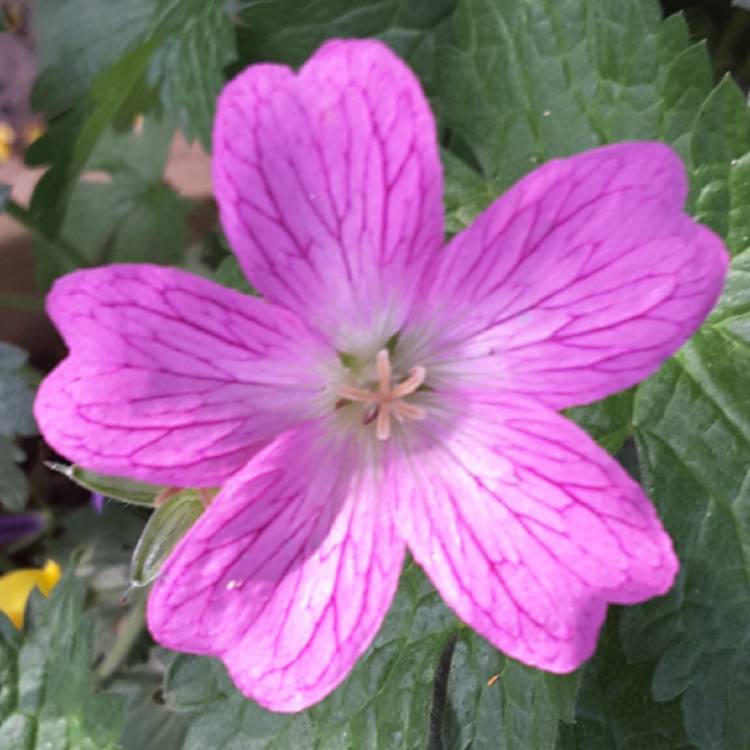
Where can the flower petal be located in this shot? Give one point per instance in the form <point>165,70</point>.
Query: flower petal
<point>329,181</point>
<point>582,279</point>
<point>527,528</point>
<point>287,575</point>
<point>171,378</point>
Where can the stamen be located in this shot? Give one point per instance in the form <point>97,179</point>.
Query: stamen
<point>350,393</point>
<point>383,429</point>
<point>385,401</point>
<point>401,409</point>
<point>415,379</point>
<point>384,371</point>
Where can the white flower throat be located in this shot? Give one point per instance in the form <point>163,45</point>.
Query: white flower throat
<point>385,400</point>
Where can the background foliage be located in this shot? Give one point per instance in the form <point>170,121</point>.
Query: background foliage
<point>513,83</point>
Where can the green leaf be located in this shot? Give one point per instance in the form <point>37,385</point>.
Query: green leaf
<point>495,702</point>
<point>16,395</point>
<point>230,274</point>
<point>719,141</point>
<point>47,701</point>
<point>127,214</point>
<point>609,422</point>
<point>693,431</point>
<point>118,488</point>
<point>4,195</point>
<point>167,525</point>
<point>192,683</point>
<point>523,82</point>
<point>187,66</point>
<point>177,46</point>
<point>70,143</point>
<point>149,725</point>
<point>615,708</point>
<point>76,40</point>
<point>466,193</point>
<point>14,490</point>
<point>16,420</point>
<point>279,31</point>
<point>424,680</point>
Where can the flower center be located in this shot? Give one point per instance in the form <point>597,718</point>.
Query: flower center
<point>386,400</point>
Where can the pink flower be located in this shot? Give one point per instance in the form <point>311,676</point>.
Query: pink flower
<point>386,393</point>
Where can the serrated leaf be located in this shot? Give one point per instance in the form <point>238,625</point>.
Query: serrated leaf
<point>719,142</point>
<point>397,696</point>
<point>693,431</point>
<point>493,702</point>
<point>16,420</point>
<point>47,701</point>
<point>523,82</point>
<point>277,30</point>
<point>615,708</point>
<point>119,488</point>
<point>16,395</point>
<point>168,524</point>
<point>187,66</point>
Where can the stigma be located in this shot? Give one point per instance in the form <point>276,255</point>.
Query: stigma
<point>386,399</point>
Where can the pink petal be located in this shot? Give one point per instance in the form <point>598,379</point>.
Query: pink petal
<point>527,528</point>
<point>582,279</point>
<point>329,182</point>
<point>288,574</point>
<point>171,378</point>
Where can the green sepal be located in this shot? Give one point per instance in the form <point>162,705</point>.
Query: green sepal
<point>118,488</point>
<point>167,525</point>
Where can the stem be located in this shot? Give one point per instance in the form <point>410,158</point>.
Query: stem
<point>130,631</point>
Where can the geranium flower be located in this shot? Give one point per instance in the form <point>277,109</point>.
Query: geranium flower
<point>386,393</point>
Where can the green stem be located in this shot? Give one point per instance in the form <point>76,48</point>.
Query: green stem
<point>22,301</point>
<point>130,631</point>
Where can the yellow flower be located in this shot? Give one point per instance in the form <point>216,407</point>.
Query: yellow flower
<point>32,131</point>
<point>7,138</point>
<point>16,586</point>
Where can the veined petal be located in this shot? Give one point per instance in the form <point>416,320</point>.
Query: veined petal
<point>527,528</point>
<point>171,378</point>
<point>329,182</point>
<point>582,279</point>
<point>287,575</point>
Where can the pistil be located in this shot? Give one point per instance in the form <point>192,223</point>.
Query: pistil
<point>386,400</point>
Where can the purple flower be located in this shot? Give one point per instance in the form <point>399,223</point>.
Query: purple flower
<point>97,502</point>
<point>17,526</point>
<point>386,393</point>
